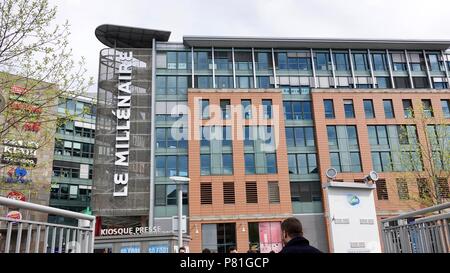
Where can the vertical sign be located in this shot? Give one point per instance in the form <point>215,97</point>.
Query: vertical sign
<point>353,218</point>
<point>123,114</point>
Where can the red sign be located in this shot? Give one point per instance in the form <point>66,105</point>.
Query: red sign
<point>32,126</point>
<point>16,196</point>
<point>18,90</point>
<point>14,215</point>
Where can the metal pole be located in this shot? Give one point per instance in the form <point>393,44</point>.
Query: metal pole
<point>151,214</point>
<point>180,215</point>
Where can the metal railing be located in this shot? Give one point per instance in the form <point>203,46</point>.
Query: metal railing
<point>414,232</point>
<point>44,237</point>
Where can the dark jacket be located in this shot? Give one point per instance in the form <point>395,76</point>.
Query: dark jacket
<point>299,245</point>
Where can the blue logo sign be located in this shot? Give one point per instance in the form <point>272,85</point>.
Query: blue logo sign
<point>130,249</point>
<point>17,175</point>
<point>163,248</point>
<point>353,200</point>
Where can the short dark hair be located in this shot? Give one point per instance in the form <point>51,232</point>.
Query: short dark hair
<point>206,250</point>
<point>292,227</point>
<point>182,248</point>
<point>231,249</point>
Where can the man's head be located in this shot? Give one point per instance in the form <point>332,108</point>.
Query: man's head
<point>232,250</point>
<point>291,228</point>
<point>206,250</point>
<point>182,250</point>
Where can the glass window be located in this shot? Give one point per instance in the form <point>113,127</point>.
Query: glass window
<point>427,108</point>
<point>434,62</point>
<point>348,108</point>
<point>182,85</point>
<point>202,60</point>
<point>376,162</point>
<point>388,109</point>
<point>290,141</point>
<point>287,105</point>
<point>171,195</point>
<point>386,161</point>
<point>309,136</point>
<point>302,163</point>
<point>360,61</point>
<point>160,137</point>
<point>249,136</point>
<point>263,60</point>
<point>271,163</point>
<point>306,105</point>
<point>183,166</point>
<point>402,82</point>
<point>205,109</point>
<point>352,135</point>
<point>244,82</point>
<point>171,85</point>
<point>204,82</point>
<point>299,137</point>
<point>335,161</point>
<point>420,82</point>
<point>332,136</point>
<point>171,167</point>
<point>383,82</point>
<point>267,108</point>
<point>407,108</point>
<point>246,109</point>
<point>226,136</point>
<point>205,164</point>
<point>329,108</point>
<point>292,163</point>
<point>249,164</point>
<point>224,82</point>
<point>379,62</point>
<point>368,109</point>
<point>263,82</point>
<point>206,136</point>
<point>355,159</point>
<point>160,165</point>
<point>225,108</point>
<point>312,163</point>
<point>227,162</point>
<point>341,61</point>
<point>446,108</point>
<point>382,135</point>
<point>322,60</point>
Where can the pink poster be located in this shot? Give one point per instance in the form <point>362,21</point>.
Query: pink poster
<point>269,237</point>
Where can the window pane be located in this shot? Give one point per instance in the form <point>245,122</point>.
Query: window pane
<point>312,163</point>
<point>388,109</point>
<point>205,164</point>
<point>271,163</point>
<point>227,161</point>
<point>355,162</point>
<point>368,109</point>
<point>249,163</point>
<point>329,108</point>
<point>292,162</point>
<point>335,161</point>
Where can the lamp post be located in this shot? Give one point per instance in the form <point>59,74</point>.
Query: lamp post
<point>179,181</point>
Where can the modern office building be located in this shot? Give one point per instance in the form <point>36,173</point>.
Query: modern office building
<point>255,123</point>
<point>73,156</point>
<point>26,149</point>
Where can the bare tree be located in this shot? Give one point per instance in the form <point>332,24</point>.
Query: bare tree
<point>37,72</point>
<point>425,155</point>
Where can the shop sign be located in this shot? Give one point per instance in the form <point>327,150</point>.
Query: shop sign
<point>14,215</point>
<point>129,231</point>
<point>17,175</point>
<point>16,196</point>
<point>123,114</point>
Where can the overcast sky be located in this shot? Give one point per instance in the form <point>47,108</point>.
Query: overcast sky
<point>392,19</point>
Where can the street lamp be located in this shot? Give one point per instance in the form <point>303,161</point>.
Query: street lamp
<point>179,180</point>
